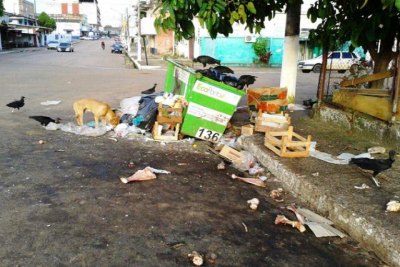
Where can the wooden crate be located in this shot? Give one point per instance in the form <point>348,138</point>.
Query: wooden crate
<point>158,132</point>
<point>271,122</point>
<point>288,144</point>
<point>247,129</point>
<point>169,114</point>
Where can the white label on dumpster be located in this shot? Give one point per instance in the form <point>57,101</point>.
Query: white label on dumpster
<point>215,92</point>
<point>208,114</point>
<point>208,135</point>
<point>181,75</point>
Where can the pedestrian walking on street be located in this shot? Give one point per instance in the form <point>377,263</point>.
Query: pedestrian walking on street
<point>103,45</point>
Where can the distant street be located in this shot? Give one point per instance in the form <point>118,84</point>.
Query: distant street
<point>62,202</point>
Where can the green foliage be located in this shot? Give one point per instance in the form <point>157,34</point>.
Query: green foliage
<point>260,46</point>
<point>46,21</point>
<point>217,16</point>
<point>1,8</point>
<point>364,22</point>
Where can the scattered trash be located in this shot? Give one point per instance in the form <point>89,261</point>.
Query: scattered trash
<point>131,164</point>
<point>276,195</point>
<point>281,219</point>
<point>254,181</point>
<point>158,170</point>
<point>140,175</point>
<point>50,102</point>
<point>263,178</point>
<point>320,226</point>
<point>363,186</point>
<point>342,159</point>
<point>393,205</point>
<point>41,142</point>
<point>244,162</point>
<point>299,217</point>
<point>253,203</point>
<point>256,169</point>
<point>80,130</point>
<point>230,153</point>
<point>130,105</point>
<point>212,259</point>
<point>376,150</point>
<point>113,139</point>
<point>245,227</point>
<point>59,150</point>
<point>315,174</point>
<point>221,166</point>
<point>196,258</point>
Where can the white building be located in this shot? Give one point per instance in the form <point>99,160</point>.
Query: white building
<point>74,17</point>
<point>19,7</point>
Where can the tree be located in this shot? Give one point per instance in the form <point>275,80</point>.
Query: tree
<point>1,8</point>
<point>217,16</point>
<point>46,21</point>
<point>372,24</point>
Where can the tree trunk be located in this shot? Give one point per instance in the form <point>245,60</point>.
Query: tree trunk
<point>381,56</point>
<point>291,49</point>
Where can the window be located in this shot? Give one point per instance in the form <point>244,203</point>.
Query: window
<point>335,55</point>
<point>347,55</point>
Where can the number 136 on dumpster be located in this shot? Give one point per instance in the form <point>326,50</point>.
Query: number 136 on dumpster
<point>208,135</point>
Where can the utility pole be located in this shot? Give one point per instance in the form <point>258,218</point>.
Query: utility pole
<point>139,47</point>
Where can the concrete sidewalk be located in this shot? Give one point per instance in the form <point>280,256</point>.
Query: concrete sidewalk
<point>329,188</point>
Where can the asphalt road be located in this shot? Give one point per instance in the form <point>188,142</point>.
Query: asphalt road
<point>62,203</point>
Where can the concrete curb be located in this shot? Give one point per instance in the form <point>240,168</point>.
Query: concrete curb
<point>371,232</point>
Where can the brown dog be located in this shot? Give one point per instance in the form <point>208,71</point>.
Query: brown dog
<point>101,111</point>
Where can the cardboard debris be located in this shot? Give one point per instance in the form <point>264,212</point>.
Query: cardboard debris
<point>320,226</point>
<point>324,230</point>
<point>312,216</point>
<point>230,153</point>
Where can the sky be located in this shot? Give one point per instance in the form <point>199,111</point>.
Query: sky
<point>111,10</point>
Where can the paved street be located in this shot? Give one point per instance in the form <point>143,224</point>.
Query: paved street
<point>62,203</point>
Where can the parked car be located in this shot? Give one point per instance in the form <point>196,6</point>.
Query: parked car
<point>337,60</point>
<point>65,47</point>
<point>117,48</point>
<point>52,45</point>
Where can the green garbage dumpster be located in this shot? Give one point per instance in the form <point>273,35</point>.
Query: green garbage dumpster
<point>211,104</point>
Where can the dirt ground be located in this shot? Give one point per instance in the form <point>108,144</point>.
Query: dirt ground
<point>62,204</point>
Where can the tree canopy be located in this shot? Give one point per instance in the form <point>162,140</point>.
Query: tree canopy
<point>217,16</point>
<point>372,24</point>
<point>46,21</point>
<point>1,8</point>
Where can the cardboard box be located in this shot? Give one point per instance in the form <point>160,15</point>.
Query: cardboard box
<point>271,122</point>
<point>267,99</point>
<point>230,153</point>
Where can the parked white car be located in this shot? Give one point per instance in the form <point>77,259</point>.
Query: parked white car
<point>52,45</point>
<point>337,60</point>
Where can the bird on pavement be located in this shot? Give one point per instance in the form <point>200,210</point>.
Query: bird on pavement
<point>17,104</point>
<point>207,60</point>
<point>150,90</point>
<point>245,80</point>
<point>44,120</point>
<point>375,165</point>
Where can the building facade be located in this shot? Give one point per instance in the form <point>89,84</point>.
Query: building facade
<point>19,26</point>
